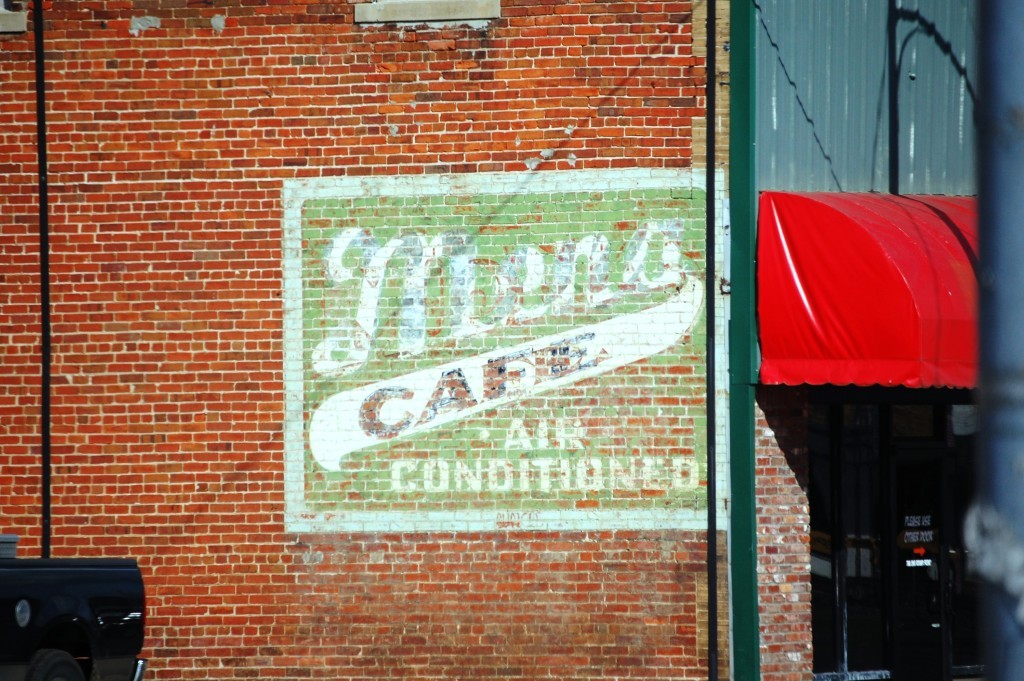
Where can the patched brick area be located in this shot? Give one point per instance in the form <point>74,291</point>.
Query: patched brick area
<point>515,605</point>
<point>783,533</point>
<point>174,128</point>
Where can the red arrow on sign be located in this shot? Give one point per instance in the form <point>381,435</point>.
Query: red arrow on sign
<point>919,551</point>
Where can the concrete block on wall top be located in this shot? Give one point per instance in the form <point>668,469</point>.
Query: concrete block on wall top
<point>386,11</point>
<point>13,18</point>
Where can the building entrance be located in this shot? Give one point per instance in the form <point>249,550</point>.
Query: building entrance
<point>892,594</point>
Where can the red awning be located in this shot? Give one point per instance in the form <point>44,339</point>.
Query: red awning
<point>867,289</point>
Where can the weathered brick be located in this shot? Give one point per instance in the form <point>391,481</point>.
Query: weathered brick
<point>783,526</point>
<point>169,154</point>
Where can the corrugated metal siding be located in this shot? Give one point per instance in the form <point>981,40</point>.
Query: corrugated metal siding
<point>824,116</point>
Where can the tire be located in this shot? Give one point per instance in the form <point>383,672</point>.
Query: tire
<point>53,665</point>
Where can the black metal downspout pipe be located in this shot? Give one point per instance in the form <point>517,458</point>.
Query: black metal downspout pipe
<point>893,84</point>
<point>710,283</point>
<point>44,268</point>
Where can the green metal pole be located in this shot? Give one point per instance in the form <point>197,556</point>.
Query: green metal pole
<point>742,346</point>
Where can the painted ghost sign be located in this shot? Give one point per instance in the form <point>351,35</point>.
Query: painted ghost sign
<point>494,350</point>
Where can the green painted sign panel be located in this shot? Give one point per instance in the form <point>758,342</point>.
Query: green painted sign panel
<point>495,350</point>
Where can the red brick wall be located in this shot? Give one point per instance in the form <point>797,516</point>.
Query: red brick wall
<point>168,151</point>
<point>783,533</point>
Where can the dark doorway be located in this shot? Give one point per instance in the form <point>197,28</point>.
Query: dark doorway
<point>892,596</point>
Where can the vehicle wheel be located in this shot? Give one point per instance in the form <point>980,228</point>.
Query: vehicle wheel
<point>53,665</point>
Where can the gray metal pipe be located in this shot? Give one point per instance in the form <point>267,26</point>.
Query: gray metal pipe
<point>995,526</point>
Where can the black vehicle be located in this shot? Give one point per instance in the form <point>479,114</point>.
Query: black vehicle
<point>71,620</point>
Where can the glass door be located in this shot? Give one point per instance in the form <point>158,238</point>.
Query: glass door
<point>964,635</point>
<point>892,593</point>
<point>934,600</point>
<point>919,567</point>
